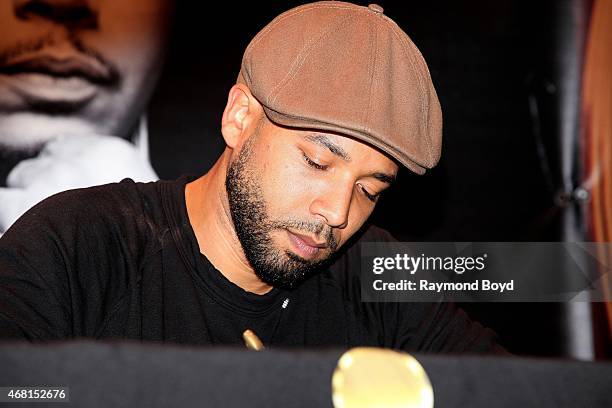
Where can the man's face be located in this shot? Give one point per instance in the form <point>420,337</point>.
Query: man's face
<point>76,66</point>
<point>296,196</point>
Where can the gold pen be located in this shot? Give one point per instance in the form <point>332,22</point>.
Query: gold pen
<point>251,340</point>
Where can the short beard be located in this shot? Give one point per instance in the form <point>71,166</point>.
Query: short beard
<point>253,228</point>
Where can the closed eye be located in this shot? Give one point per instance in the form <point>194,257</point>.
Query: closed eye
<point>313,163</point>
<point>371,197</point>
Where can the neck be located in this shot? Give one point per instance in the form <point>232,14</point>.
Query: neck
<point>210,218</point>
<point>11,157</point>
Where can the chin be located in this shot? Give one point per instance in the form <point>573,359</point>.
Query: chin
<point>27,131</point>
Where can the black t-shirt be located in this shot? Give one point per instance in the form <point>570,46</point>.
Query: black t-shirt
<point>122,261</point>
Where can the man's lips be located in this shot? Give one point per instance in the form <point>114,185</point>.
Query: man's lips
<point>304,245</point>
<point>308,240</point>
<point>55,83</point>
<point>76,65</point>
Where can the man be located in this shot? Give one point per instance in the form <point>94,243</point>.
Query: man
<point>75,78</point>
<point>331,98</point>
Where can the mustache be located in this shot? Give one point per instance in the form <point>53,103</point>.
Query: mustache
<point>320,229</point>
<point>109,75</point>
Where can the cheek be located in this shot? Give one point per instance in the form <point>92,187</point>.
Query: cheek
<point>287,190</point>
<point>14,31</point>
<point>131,34</point>
<point>11,31</point>
<point>359,213</point>
<point>286,184</point>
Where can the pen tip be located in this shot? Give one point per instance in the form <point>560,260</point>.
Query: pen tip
<point>251,340</point>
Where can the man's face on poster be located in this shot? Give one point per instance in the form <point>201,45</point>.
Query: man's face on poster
<point>76,67</point>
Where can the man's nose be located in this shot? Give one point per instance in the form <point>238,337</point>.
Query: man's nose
<point>334,205</point>
<point>71,13</point>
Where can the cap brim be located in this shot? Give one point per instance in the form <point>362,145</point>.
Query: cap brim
<point>307,123</point>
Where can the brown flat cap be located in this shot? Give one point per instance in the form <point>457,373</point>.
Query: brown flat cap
<point>349,69</point>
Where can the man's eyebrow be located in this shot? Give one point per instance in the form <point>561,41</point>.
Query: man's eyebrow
<point>326,142</point>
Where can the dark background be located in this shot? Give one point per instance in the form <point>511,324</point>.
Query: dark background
<point>499,172</point>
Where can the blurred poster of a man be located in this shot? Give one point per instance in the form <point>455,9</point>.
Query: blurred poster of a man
<point>75,79</point>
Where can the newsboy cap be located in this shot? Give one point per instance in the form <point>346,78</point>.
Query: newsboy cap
<point>335,66</point>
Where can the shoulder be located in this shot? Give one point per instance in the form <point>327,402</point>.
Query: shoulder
<point>92,204</point>
<point>122,210</point>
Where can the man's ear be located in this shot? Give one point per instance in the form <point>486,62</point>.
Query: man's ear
<point>242,110</point>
